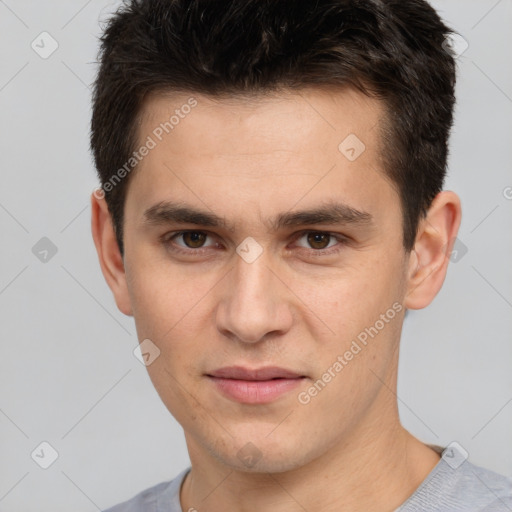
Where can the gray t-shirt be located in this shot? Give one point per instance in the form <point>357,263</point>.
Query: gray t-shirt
<point>454,485</point>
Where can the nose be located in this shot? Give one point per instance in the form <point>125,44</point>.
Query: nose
<point>254,304</point>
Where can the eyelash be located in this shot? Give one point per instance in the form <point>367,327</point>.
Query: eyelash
<point>168,238</point>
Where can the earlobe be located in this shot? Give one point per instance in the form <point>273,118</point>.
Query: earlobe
<point>428,261</point>
<point>109,255</point>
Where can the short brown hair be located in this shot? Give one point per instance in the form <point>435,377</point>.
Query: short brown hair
<point>394,50</point>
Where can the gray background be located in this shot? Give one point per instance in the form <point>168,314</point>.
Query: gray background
<point>67,372</point>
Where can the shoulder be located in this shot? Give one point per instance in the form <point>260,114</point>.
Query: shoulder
<point>492,491</point>
<point>165,495</point>
<point>458,485</point>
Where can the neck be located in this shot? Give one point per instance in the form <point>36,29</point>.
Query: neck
<point>375,469</point>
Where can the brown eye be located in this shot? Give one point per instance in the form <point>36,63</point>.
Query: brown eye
<point>318,240</point>
<point>194,239</point>
<point>189,242</point>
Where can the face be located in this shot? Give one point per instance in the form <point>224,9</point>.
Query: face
<point>264,260</point>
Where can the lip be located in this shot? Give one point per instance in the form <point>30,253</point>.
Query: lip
<point>264,373</point>
<point>255,386</point>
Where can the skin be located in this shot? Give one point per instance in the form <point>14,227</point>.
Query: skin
<point>247,160</point>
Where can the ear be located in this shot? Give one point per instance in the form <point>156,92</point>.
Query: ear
<point>109,255</point>
<point>428,261</point>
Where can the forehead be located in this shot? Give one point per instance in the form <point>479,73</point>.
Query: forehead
<point>262,152</point>
<point>308,115</point>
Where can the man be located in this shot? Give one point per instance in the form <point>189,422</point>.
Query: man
<point>271,206</point>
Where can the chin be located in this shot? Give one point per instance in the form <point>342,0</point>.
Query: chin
<point>264,456</point>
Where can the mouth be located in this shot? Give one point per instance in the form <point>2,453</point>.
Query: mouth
<point>254,386</point>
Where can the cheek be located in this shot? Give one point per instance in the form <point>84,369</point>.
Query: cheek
<point>363,311</point>
<point>172,308</point>
<point>168,311</point>
<point>351,298</point>
<point>163,295</point>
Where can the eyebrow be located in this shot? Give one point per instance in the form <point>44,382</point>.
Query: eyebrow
<point>168,212</point>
